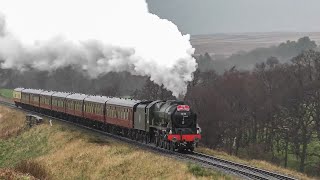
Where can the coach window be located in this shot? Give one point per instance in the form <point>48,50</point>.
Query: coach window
<point>92,108</point>
<point>112,112</point>
<point>99,109</point>
<point>76,105</point>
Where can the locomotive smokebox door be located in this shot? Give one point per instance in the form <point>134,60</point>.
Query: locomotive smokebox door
<point>140,120</point>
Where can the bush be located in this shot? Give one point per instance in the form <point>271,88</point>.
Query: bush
<point>33,168</point>
<point>198,170</point>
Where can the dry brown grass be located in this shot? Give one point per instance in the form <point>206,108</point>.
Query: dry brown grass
<point>66,152</point>
<point>9,174</point>
<point>33,168</point>
<point>254,163</point>
<point>11,122</point>
<point>80,156</point>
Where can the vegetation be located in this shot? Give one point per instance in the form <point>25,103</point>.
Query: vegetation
<point>199,171</point>
<point>11,122</point>
<point>7,93</point>
<point>67,152</point>
<point>255,163</point>
<point>33,168</point>
<point>270,113</point>
<point>9,174</point>
<point>152,91</point>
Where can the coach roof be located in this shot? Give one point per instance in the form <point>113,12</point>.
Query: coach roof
<point>98,99</point>
<point>47,93</point>
<point>18,89</point>
<point>61,94</point>
<point>32,91</point>
<point>122,102</point>
<point>77,96</point>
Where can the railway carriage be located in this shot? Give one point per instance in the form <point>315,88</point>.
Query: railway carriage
<point>120,112</point>
<point>94,108</point>
<point>46,101</point>
<point>58,103</point>
<point>17,96</point>
<point>30,99</point>
<point>74,105</point>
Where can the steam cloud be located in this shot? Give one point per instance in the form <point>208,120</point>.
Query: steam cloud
<point>95,36</point>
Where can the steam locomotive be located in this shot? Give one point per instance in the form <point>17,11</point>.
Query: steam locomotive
<point>168,124</point>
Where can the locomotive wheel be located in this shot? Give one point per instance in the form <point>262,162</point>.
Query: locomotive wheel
<point>191,148</point>
<point>157,141</point>
<point>145,137</point>
<point>137,136</point>
<point>160,143</point>
<point>171,146</point>
<point>148,138</point>
<point>168,145</point>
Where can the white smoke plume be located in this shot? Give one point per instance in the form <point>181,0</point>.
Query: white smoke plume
<point>98,36</point>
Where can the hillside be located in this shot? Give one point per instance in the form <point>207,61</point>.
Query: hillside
<point>65,152</point>
<point>228,44</point>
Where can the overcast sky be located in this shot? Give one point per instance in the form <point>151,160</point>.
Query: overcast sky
<point>229,16</point>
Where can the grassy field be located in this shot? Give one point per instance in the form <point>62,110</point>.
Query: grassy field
<point>255,163</point>
<point>11,122</point>
<point>7,93</point>
<point>65,152</point>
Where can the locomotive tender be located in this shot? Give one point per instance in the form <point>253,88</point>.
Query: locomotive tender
<point>168,124</point>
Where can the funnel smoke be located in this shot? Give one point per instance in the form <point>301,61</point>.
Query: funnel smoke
<point>98,36</point>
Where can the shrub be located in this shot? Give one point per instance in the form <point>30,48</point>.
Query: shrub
<point>33,168</point>
<point>198,170</point>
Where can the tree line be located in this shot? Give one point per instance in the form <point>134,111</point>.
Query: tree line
<point>270,113</point>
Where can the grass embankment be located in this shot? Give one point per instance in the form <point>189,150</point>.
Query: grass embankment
<point>7,93</point>
<point>11,122</point>
<point>255,163</point>
<point>65,152</point>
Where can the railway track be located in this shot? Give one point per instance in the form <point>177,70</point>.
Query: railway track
<point>237,169</point>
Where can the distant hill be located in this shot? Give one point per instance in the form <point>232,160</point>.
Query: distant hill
<point>228,44</point>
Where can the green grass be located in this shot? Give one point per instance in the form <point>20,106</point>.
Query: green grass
<point>31,144</point>
<point>7,93</point>
<point>199,171</point>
